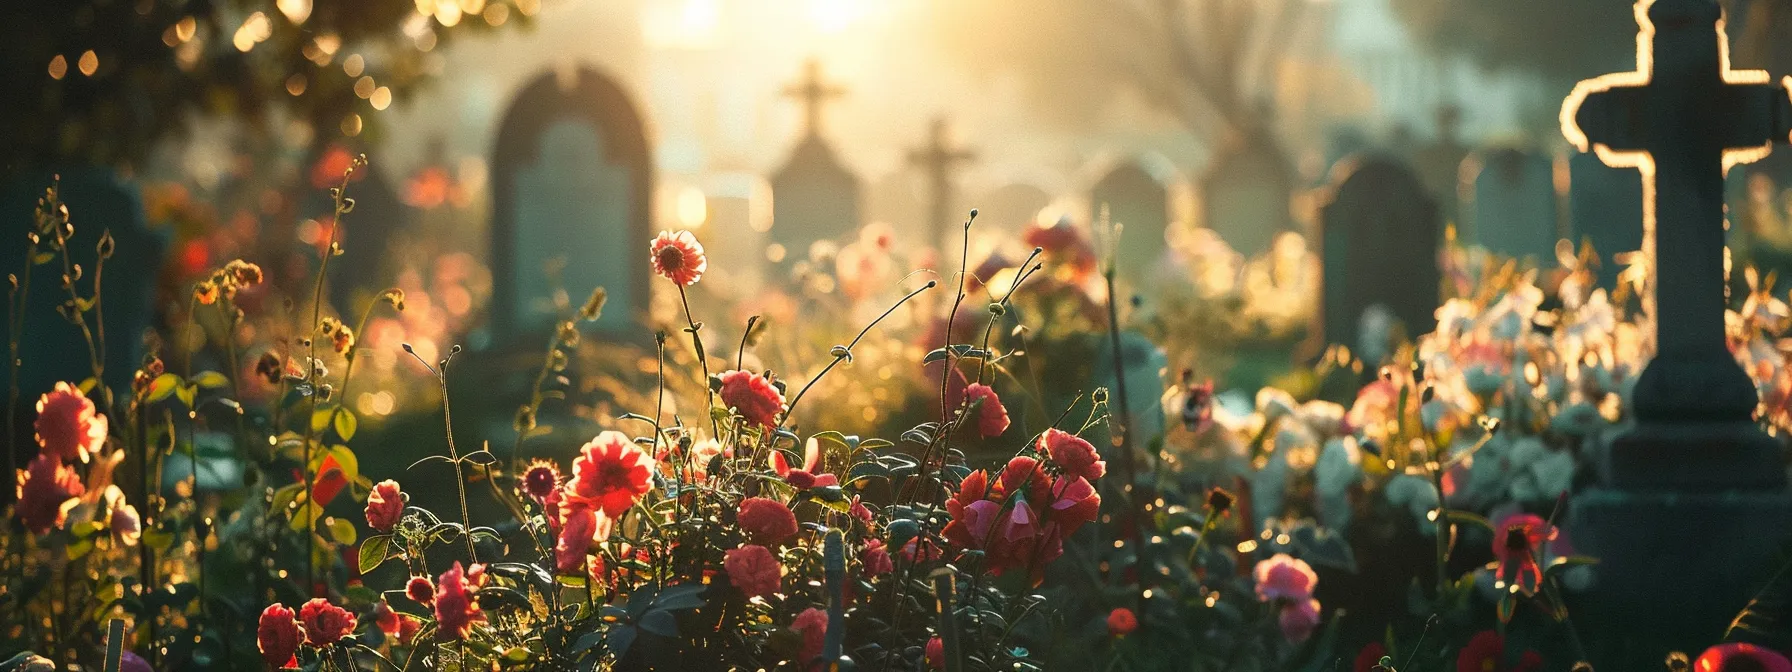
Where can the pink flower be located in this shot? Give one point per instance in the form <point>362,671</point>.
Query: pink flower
<point>753,569</point>
<point>610,474</point>
<point>753,397</point>
<point>277,636</point>
<point>1283,577</point>
<point>859,510</point>
<point>126,527</point>
<point>935,653</point>
<point>677,256</point>
<point>457,603</point>
<point>325,623</point>
<point>992,418</point>
<point>811,475</point>
<point>47,491</point>
<point>541,478</point>
<point>131,662</point>
<point>1738,657</point>
<point>876,559</point>
<point>1122,622</point>
<point>1517,539</point>
<point>766,521</point>
<point>385,505</point>
<point>1073,454</point>
<point>1298,620</point>
<point>813,625</point>
<point>1074,503</point>
<point>577,528</point>
<point>67,424</point>
<point>421,590</point>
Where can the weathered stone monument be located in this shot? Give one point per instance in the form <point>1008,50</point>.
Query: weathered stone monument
<point>1439,164</point>
<point>1514,208</point>
<point>1693,504</point>
<point>814,197</point>
<point>1246,191</point>
<point>1379,238</point>
<point>1139,201</point>
<point>572,181</point>
<point>937,159</point>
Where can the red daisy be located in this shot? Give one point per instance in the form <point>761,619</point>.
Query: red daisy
<point>677,256</point>
<point>610,474</point>
<point>1517,539</point>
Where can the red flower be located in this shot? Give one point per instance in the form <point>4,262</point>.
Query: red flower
<point>1369,657</point>
<point>876,559</point>
<point>278,635</point>
<point>421,590</point>
<point>992,418</point>
<point>385,618</point>
<point>385,505</point>
<point>47,490</point>
<point>1298,619</point>
<point>811,475</point>
<point>1517,539</point>
<point>67,424</point>
<point>1074,503</point>
<point>1284,577</point>
<point>1073,454</point>
<point>813,625</point>
<point>935,653</point>
<point>541,478</point>
<point>407,628</point>
<point>1485,652</point>
<point>859,510</point>
<point>921,550</point>
<point>325,623</point>
<point>610,474</point>
<point>677,256</point>
<point>753,569</point>
<point>578,526</point>
<point>457,603</point>
<point>1739,657</point>
<point>1122,622</point>
<point>766,521</point>
<point>753,397</point>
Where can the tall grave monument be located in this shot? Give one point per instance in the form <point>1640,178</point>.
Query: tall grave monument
<point>1245,196</point>
<point>1439,164</point>
<point>1515,204</point>
<point>814,197</point>
<point>1139,201</point>
<point>1379,237</point>
<point>572,186</point>
<point>937,160</point>
<point>1693,503</point>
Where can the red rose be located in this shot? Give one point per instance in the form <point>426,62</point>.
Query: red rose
<point>278,635</point>
<point>766,521</point>
<point>457,603</point>
<point>47,493</point>
<point>325,623</point>
<point>385,505</point>
<point>67,424</point>
<point>1122,622</point>
<point>753,397</point>
<point>876,559</point>
<point>753,569</point>
<point>992,418</point>
<point>1073,454</point>
<point>813,625</point>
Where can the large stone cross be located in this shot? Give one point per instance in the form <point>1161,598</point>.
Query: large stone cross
<point>938,158</point>
<point>1683,117</point>
<point>813,93</point>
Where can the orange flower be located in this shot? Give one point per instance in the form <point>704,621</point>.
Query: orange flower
<point>67,425</point>
<point>610,474</point>
<point>677,256</point>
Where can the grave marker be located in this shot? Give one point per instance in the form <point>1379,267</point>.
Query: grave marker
<point>1137,200</point>
<point>1379,238</point>
<point>937,159</point>
<point>1246,192</point>
<point>814,196</point>
<point>1514,207</point>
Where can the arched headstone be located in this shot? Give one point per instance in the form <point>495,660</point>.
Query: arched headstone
<point>572,186</point>
<point>1245,195</point>
<point>1380,235</point>
<point>1138,200</point>
<point>1515,205</point>
<point>814,198</point>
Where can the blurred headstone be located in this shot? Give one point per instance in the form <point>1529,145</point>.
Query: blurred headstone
<point>1515,205</point>
<point>1136,200</point>
<point>1379,240</point>
<point>1605,206</point>
<point>1246,192</point>
<point>815,197</point>
<point>937,160</point>
<point>1439,164</point>
<point>1010,207</point>
<point>571,207</point>
<point>734,232</point>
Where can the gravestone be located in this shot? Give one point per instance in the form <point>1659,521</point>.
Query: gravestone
<point>571,193</point>
<point>1605,206</point>
<point>1439,164</point>
<point>1011,207</point>
<point>815,197</point>
<point>1246,192</point>
<point>1692,506</point>
<point>52,349</point>
<point>1379,239</point>
<point>735,229</point>
<point>937,159</point>
<point>1137,200</point>
<point>1515,205</point>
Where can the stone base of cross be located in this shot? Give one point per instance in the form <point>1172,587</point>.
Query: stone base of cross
<point>1683,118</point>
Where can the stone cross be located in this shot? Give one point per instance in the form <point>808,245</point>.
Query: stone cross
<point>813,93</point>
<point>938,158</point>
<point>1683,117</point>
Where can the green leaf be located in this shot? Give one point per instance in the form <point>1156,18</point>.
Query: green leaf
<point>80,549</point>
<point>87,385</point>
<point>186,394</point>
<point>211,380</point>
<point>320,419</point>
<point>660,622</point>
<point>341,530</point>
<point>163,386</point>
<point>374,551</point>
<point>345,423</point>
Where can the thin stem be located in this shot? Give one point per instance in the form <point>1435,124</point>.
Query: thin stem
<point>943,437</point>
<point>460,477</point>
<point>845,353</point>
<point>740,356</point>
<point>1122,431</point>
<point>702,359</point>
<point>317,306</point>
<point>15,326</point>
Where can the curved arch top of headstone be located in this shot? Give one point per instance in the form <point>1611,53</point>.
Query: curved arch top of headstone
<point>572,181</point>
<point>1379,238</point>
